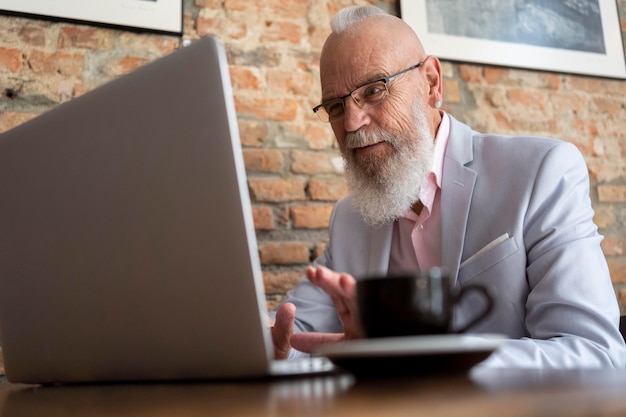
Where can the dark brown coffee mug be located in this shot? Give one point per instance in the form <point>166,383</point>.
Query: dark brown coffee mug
<point>418,304</point>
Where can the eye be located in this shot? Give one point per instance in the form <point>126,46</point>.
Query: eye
<point>374,91</point>
<point>334,108</point>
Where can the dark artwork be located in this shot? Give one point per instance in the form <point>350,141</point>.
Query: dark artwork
<point>562,24</point>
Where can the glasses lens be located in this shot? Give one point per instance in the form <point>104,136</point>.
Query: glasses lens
<point>334,109</point>
<point>330,111</point>
<point>370,94</point>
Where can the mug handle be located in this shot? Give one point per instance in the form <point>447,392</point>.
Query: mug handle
<point>488,306</point>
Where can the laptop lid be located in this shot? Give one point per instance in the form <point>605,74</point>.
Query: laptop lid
<point>127,244</point>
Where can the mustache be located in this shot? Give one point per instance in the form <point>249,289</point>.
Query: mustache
<point>361,138</point>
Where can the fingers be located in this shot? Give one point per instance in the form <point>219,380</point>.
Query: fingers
<point>283,330</point>
<point>308,342</point>
<point>329,282</point>
<point>333,283</point>
<point>341,288</point>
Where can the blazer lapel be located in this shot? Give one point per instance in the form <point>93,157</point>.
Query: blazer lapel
<point>456,194</point>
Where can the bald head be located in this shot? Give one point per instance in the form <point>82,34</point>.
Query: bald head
<point>367,37</point>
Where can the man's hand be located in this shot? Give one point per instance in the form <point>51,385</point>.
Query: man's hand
<point>342,290</point>
<point>282,330</point>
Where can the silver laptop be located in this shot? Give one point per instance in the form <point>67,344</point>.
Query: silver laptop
<point>127,244</point>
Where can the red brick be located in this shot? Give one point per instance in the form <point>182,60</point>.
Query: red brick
<point>503,121</point>
<point>281,282</point>
<point>32,35</point>
<point>281,31</point>
<point>527,98</point>
<point>82,37</point>
<point>586,126</point>
<point>318,135</point>
<point>290,82</point>
<point>597,85</point>
<point>608,105</point>
<point>273,8</point>
<point>263,160</point>
<point>568,101</point>
<point>241,5</point>
<point>284,253</point>
<point>281,109</point>
<point>309,162</point>
<point>225,28</point>
<point>522,78</point>
<point>243,78</point>
<point>471,73</point>
<point>540,125</point>
<point>11,59</point>
<point>327,189</point>
<point>495,75</point>
<point>126,65</point>
<point>263,217</point>
<point>253,133</point>
<point>451,91</point>
<point>63,63</point>
<point>276,189</point>
<point>311,217</point>
<point>152,46</point>
<point>612,193</point>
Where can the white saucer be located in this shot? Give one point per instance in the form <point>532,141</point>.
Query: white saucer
<point>410,355</point>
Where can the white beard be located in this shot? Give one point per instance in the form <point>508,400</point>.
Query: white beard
<point>389,193</point>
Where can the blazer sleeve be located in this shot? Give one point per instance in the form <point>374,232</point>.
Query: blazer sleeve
<point>571,309</point>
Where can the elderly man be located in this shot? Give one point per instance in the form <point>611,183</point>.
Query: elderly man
<point>510,213</point>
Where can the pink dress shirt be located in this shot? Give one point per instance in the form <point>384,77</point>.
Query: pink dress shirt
<point>416,242</point>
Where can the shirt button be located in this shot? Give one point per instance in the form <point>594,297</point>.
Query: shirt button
<point>420,227</point>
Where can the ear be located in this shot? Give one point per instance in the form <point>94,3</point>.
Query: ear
<point>432,71</point>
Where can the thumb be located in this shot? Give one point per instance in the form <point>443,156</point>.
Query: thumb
<point>283,330</point>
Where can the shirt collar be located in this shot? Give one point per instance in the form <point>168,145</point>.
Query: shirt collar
<point>441,142</point>
<point>432,182</point>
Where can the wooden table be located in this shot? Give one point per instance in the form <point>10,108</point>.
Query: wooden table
<point>485,393</point>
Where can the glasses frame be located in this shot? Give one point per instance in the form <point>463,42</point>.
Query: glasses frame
<point>384,80</point>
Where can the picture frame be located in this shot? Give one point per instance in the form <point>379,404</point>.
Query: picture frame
<point>161,16</point>
<point>581,37</point>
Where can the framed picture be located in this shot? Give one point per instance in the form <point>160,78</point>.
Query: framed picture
<point>164,16</point>
<point>578,37</point>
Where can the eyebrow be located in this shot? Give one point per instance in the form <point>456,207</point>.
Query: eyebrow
<point>378,77</point>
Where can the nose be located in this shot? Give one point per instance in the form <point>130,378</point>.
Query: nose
<point>355,117</point>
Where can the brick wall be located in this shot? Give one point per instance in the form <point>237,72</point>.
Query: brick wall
<point>291,158</point>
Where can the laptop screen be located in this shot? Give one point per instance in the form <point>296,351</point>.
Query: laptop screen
<point>127,245</point>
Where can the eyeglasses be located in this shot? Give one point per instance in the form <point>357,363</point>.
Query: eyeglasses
<point>366,95</point>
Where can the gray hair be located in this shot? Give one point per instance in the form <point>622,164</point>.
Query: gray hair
<point>350,15</point>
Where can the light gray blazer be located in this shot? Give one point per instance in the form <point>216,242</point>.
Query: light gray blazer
<point>553,291</point>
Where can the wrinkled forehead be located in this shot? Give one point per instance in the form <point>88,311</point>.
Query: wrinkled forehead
<point>369,49</point>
